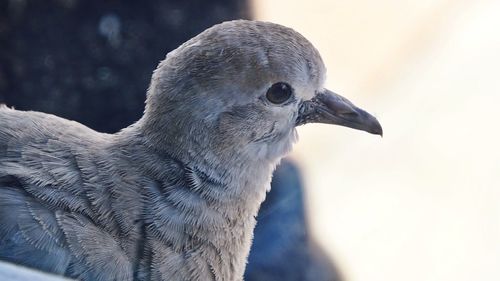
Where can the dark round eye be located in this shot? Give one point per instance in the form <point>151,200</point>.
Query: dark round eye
<point>279,93</point>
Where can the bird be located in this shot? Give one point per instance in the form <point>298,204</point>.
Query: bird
<point>174,195</point>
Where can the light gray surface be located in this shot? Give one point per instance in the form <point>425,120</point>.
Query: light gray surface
<point>12,272</point>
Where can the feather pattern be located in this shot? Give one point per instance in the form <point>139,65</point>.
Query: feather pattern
<point>72,198</point>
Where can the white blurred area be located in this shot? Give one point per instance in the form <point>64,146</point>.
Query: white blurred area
<point>423,203</point>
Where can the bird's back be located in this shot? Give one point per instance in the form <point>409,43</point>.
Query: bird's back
<point>44,166</point>
<point>24,127</point>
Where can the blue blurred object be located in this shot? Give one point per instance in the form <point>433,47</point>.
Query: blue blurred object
<point>283,248</point>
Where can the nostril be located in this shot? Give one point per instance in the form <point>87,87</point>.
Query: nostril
<point>352,114</point>
<point>337,104</point>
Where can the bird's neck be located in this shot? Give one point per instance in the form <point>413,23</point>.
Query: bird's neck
<point>245,176</point>
<point>202,203</point>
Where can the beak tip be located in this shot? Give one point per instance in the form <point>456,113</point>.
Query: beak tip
<point>376,129</point>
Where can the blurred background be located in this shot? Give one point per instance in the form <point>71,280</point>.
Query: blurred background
<point>423,203</point>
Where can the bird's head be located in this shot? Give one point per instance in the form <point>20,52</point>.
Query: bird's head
<point>241,88</point>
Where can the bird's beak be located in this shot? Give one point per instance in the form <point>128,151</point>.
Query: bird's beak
<point>330,108</point>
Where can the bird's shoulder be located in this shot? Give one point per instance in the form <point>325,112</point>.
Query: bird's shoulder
<point>31,126</point>
<point>43,156</point>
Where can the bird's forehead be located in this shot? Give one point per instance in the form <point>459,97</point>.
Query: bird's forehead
<point>257,54</point>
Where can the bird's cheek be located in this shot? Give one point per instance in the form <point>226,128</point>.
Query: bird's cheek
<point>235,130</point>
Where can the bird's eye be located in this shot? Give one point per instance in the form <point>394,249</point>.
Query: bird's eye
<point>279,93</point>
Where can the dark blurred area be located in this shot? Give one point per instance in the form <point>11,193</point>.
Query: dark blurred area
<point>91,61</point>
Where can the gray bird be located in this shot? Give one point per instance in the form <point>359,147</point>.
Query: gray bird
<point>173,196</point>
